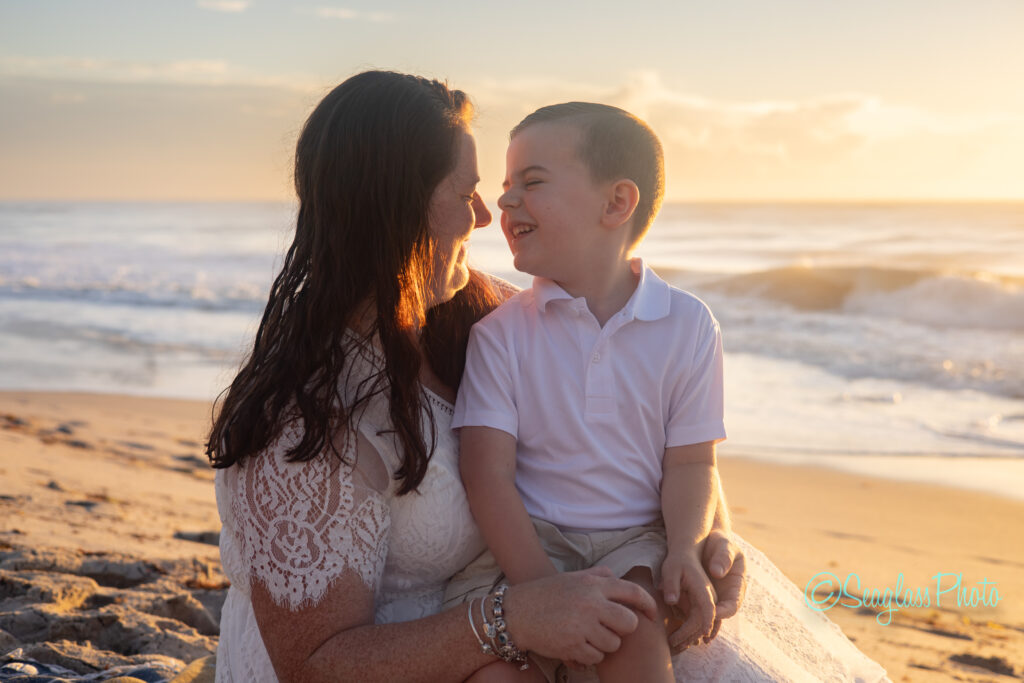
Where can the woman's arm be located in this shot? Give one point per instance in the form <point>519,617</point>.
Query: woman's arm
<point>722,521</point>
<point>579,615</point>
<point>337,640</point>
<point>725,564</point>
<point>329,634</point>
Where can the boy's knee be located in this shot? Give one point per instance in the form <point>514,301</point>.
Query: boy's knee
<point>643,577</point>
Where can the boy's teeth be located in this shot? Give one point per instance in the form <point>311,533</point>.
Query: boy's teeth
<point>521,230</point>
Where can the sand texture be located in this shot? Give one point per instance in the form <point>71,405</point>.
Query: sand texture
<point>108,532</point>
<point>810,520</point>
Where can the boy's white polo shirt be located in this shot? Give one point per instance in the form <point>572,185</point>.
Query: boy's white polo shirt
<point>593,408</point>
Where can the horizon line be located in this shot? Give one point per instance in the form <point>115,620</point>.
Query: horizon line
<point>690,200</point>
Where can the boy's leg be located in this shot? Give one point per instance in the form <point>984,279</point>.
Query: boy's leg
<point>503,672</point>
<point>483,574</point>
<point>476,580</point>
<point>644,654</point>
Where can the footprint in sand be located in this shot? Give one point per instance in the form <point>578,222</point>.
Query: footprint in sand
<point>137,445</point>
<point>194,460</point>
<point>1000,561</point>
<point>207,537</point>
<point>57,435</point>
<point>86,504</point>
<point>848,536</point>
<point>994,664</point>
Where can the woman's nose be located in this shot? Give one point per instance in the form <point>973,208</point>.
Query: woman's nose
<point>483,214</point>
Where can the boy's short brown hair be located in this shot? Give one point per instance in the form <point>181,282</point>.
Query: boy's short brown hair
<point>615,144</point>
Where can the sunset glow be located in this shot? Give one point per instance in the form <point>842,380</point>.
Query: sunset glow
<point>792,100</point>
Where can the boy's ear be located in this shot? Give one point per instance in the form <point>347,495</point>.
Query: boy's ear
<point>622,198</point>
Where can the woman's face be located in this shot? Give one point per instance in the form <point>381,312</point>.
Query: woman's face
<point>455,211</point>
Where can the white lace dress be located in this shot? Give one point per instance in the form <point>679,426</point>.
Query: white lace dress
<point>298,526</point>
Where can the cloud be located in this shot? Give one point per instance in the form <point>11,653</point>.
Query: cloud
<point>345,13</point>
<point>880,121</point>
<point>815,146</point>
<point>336,13</point>
<point>186,71</point>
<point>832,145</point>
<point>67,98</point>
<point>224,5</point>
<point>836,123</point>
<point>112,69</point>
<point>147,141</point>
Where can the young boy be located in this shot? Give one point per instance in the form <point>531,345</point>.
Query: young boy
<point>591,402</point>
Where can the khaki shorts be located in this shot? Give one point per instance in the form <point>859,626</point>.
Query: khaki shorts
<point>620,550</point>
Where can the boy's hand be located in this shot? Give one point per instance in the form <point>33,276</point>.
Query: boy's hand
<point>686,587</point>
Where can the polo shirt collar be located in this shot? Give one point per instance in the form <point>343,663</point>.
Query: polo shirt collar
<point>652,298</point>
<point>650,301</point>
<point>546,291</point>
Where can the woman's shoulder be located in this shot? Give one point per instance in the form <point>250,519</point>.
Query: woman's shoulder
<point>324,501</point>
<point>508,317</point>
<point>505,289</point>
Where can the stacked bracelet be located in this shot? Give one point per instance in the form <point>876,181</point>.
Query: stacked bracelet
<point>501,644</point>
<point>498,634</point>
<point>484,647</point>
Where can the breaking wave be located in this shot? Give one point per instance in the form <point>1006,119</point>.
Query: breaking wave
<point>927,297</point>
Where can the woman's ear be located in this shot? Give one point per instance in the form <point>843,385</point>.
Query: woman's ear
<point>622,198</point>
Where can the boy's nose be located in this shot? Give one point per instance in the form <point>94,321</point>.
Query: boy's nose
<point>507,200</point>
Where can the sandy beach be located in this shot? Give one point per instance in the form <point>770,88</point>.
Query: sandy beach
<point>108,556</point>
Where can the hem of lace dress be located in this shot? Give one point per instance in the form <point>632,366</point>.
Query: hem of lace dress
<point>770,576</point>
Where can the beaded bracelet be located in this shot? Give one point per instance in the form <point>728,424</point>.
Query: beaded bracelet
<point>497,631</point>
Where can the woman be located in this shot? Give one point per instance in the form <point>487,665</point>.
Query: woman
<point>343,514</point>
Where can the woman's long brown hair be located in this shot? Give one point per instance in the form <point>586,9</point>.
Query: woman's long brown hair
<point>366,165</point>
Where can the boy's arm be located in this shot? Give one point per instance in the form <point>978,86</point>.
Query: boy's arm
<point>689,494</point>
<point>487,462</point>
<point>689,497</point>
<point>695,420</point>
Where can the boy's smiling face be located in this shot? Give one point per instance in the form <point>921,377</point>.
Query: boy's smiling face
<point>551,207</point>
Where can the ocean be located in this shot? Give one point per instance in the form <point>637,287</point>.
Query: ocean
<point>886,339</point>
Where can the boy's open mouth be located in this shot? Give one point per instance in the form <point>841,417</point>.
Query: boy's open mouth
<point>519,229</point>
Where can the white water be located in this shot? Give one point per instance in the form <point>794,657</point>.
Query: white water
<point>895,332</point>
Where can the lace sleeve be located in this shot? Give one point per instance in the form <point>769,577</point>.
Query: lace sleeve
<point>299,526</point>
<point>504,288</point>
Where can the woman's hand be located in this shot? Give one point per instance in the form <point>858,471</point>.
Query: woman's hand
<point>726,567</point>
<point>578,616</point>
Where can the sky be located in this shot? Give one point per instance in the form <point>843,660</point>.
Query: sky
<point>753,100</point>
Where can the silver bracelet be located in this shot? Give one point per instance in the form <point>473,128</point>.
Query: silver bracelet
<point>497,631</point>
<point>484,647</point>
